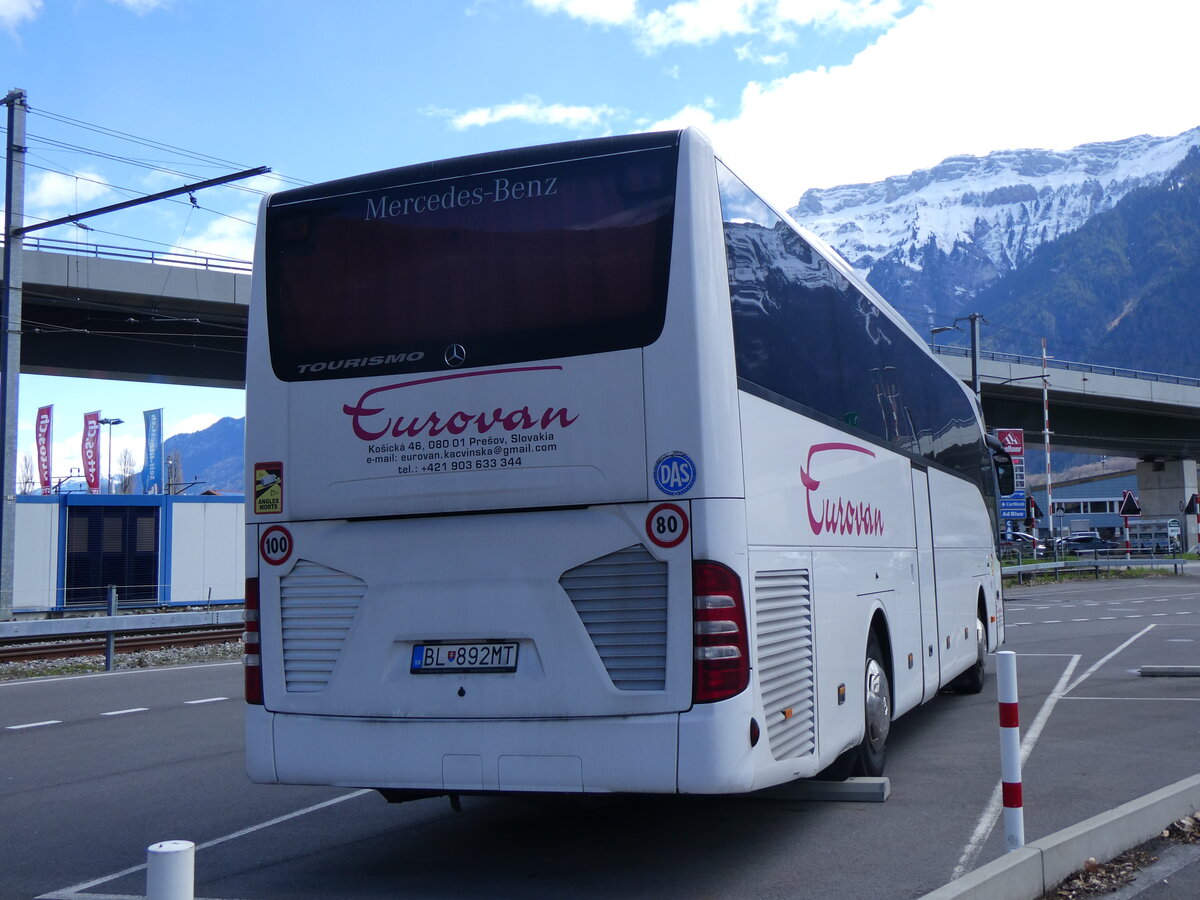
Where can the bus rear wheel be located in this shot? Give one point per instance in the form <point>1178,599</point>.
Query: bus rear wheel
<point>877,709</point>
<point>972,680</point>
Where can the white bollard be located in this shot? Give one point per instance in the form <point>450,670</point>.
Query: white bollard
<point>1010,750</point>
<point>171,871</point>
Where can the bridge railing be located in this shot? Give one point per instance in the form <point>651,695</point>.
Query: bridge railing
<point>1088,368</point>
<point>159,257</point>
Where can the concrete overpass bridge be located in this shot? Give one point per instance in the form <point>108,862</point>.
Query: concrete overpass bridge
<point>133,315</point>
<point>1093,408</point>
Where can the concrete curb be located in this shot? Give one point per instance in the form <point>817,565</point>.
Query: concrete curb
<point>1037,867</point>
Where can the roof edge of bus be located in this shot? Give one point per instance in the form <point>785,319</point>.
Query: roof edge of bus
<point>515,157</point>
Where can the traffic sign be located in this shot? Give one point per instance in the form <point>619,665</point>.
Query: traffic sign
<point>1129,505</point>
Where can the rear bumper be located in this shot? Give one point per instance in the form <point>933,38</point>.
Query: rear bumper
<point>632,754</point>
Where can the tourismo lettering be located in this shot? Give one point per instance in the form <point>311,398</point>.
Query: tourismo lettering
<point>499,190</point>
<point>371,422</point>
<point>838,515</point>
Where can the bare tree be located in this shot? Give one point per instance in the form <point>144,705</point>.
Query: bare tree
<point>126,465</point>
<point>27,482</point>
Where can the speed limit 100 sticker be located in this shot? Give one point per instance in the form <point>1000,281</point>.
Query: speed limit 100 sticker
<point>275,545</point>
<point>667,525</point>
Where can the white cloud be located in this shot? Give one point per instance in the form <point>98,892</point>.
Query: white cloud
<point>966,76</point>
<point>603,12</point>
<point>141,7</point>
<point>698,22</point>
<point>14,12</point>
<point>52,192</point>
<point>223,236</point>
<point>746,52</point>
<point>843,15</point>
<point>534,111</point>
<point>694,22</point>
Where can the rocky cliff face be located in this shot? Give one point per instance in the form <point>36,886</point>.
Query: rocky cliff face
<point>932,240</point>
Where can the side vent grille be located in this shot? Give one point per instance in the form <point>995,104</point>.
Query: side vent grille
<point>622,601</point>
<point>783,622</point>
<point>318,605</point>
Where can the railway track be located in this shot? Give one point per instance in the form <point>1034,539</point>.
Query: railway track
<point>132,643</point>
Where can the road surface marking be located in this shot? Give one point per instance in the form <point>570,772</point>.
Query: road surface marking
<point>205,700</point>
<point>125,712</point>
<point>33,725</point>
<point>77,889</point>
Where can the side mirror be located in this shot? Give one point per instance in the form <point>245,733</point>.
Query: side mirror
<point>1005,475</point>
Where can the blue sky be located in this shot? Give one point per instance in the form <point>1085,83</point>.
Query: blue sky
<point>794,93</point>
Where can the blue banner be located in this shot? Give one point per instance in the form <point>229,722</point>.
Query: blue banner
<point>153,477</point>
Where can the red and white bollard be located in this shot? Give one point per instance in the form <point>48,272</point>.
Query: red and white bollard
<point>1010,750</point>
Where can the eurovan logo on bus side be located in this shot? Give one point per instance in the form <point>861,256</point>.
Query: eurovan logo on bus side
<point>838,515</point>
<point>674,473</point>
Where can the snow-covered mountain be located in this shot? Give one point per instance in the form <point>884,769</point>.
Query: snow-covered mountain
<point>931,240</point>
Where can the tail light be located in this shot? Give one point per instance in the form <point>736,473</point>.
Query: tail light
<point>251,660</point>
<point>721,650</point>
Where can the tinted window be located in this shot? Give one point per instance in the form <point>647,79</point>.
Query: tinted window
<point>508,259</point>
<point>804,332</point>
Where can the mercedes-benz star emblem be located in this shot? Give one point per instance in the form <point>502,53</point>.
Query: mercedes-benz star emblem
<point>455,355</point>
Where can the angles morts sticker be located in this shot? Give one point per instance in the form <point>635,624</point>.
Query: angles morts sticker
<point>268,488</point>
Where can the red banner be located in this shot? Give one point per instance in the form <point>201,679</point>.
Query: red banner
<point>44,432</point>
<point>90,451</point>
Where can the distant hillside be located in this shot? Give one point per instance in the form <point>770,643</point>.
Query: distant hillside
<point>1124,283</point>
<point>214,457</point>
<point>1096,249</point>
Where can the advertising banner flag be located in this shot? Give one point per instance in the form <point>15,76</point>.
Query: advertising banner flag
<point>45,440</point>
<point>153,480</point>
<point>90,451</point>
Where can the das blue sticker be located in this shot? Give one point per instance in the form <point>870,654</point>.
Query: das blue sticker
<point>674,473</point>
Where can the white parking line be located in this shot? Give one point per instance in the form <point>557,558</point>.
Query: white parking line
<point>75,892</point>
<point>125,712</point>
<point>205,700</point>
<point>33,725</point>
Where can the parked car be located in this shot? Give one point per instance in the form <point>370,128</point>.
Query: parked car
<point>1086,542</point>
<point>1023,544</point>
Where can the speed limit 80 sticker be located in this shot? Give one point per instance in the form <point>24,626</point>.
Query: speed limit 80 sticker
<point>275,545</point>
<point>667,525</point>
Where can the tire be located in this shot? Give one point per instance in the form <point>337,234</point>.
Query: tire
<point>877,712</point>
<point>972,680</point>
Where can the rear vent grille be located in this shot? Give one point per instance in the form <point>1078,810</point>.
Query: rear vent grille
<point>783,621</point>
<point>622,601</point>
<point>318,605</point>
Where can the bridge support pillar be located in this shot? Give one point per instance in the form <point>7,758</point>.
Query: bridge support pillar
<point>1163,487</point>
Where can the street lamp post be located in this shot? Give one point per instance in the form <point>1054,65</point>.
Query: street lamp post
<point>974,319</point>
<point>110,423</point>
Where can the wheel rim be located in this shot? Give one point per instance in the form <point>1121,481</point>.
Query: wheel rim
<point>879,711</point>
<point>980,643</point>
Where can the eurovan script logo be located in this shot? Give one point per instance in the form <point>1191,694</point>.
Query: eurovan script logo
<point>674,473</point>
<point>837,515</point>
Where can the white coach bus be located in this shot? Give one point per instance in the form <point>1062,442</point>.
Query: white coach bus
<point>579,468</point>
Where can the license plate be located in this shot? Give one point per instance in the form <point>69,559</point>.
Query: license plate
<point>442,657</point>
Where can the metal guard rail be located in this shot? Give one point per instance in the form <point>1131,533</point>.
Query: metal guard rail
<point>43,629</point>
<point>1094,564</point>
<point>996,356</point>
